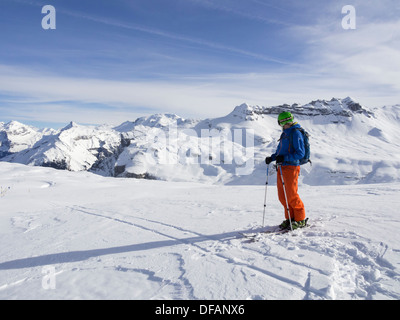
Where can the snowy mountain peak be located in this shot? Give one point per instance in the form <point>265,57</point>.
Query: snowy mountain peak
<point>246,109</point>
<point>346,107</point>
<point>159,120</point>
<point>71,125</point>
<point>16,136</point>
<point>341,107</point>
<point>247,112</point>
<point>17,127</point>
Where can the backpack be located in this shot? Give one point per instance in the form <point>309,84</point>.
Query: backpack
<point>307,151</point>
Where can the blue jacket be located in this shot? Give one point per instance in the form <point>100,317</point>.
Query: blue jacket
<point>293,150</point>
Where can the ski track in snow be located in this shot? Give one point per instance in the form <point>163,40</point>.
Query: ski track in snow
<point>356,255</point>
<point>368,264</point>
<point>188,246</point>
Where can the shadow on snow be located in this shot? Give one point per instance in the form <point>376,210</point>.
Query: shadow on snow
<point>74,256</point>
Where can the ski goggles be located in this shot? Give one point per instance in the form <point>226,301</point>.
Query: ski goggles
<point>282,122</point>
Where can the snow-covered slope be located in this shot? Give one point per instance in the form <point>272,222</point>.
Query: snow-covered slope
<point>76,235</point>
<point>349,144</point>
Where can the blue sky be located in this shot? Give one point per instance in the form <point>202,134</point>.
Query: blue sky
<point>112,61</point>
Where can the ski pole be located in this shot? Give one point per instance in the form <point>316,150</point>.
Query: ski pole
<point>265,196</point>
<point>284,191</point>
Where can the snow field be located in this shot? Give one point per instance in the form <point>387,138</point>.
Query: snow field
<point>75,235</point>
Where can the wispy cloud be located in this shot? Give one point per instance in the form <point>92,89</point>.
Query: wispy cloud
<point>179,37</point>
<point>211,95</point>
<point>129,98</point>
<point>242,10</point>
<point>369,55</point>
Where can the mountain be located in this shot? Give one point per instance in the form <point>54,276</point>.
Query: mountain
<point>74,148</point>
<point>15,137</point>
<point>350,144</point>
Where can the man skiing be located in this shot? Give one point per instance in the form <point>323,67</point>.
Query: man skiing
<point>287,156</point>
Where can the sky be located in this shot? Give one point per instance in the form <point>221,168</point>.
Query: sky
<point>107,62</point>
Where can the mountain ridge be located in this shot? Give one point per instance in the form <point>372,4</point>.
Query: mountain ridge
<point>347,141</point>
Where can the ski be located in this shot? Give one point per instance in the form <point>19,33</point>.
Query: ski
<point>253,237</point>
<point>258,234</point>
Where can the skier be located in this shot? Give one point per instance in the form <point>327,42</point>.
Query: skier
<point>288,153</point>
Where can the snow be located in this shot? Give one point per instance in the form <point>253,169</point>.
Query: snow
<point>77,235</point>
<point>93,232</point>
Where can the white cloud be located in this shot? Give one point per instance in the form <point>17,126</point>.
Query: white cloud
<point>365,61</point>
<point>198,97</point>
<point>43,92</point>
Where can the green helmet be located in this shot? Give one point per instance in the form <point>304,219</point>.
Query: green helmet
<point>284,118</point>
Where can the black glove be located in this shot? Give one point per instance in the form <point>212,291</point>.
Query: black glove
<point>268,160</point>
<point>280,159</point>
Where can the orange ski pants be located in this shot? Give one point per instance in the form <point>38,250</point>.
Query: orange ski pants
<point>296,206</point>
